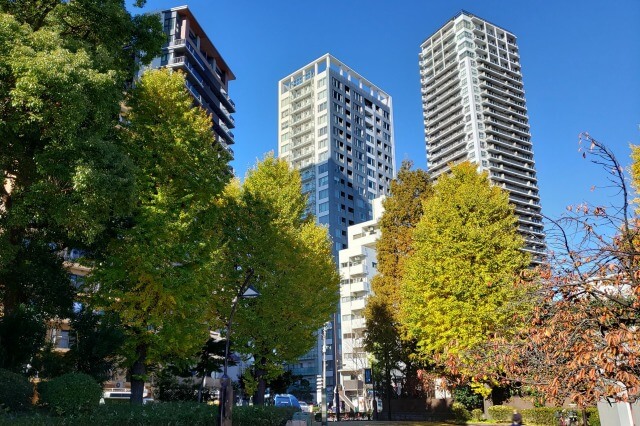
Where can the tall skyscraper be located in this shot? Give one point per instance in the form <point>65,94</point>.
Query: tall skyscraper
<point>336,127</point>
<point>207,74</point>
<point>474,110</point>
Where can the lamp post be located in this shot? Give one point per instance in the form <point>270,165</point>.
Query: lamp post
<point>226,392</point>
<point>323,400</point>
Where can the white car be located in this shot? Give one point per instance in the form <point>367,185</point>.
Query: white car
<point>305,407</point>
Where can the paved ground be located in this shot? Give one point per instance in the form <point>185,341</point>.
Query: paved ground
<point>388,423</point>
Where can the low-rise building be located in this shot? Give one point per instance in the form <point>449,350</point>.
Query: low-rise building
<point>358,266</point>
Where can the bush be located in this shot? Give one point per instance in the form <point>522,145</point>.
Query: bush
<point>477,414</point>
<point>540,416</point>
<point>15,391</point>
<point>593,417</point>
<point>164,414</point>
<point>467,397</point>
<point>262,415</point>
<point>546,416</point>
<point>500,413</point>
<point>70,393</point>
<point>460,413</point>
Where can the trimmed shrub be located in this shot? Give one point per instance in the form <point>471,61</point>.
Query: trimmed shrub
<point>15,391</point>
<point>262,415</point>
<point>164,414</point>
<point>501,413</point>
<point>460,413</point>
<point>543,416</point>
<point>546,416</point>
<point>477,414</point>
<point>70,393</point>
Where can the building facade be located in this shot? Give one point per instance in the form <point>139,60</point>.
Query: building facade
<point>474,110</point>
<point>358,266</point>
<point>336,127</point>
<point>189,50</point>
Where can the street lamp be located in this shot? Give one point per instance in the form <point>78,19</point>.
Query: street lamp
<point>226,392</point>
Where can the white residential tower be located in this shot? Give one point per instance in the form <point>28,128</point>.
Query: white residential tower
<point>474,110</point>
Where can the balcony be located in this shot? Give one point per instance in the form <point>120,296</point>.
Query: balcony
<point>300,130</point>
<point>304,116</point>
<point>228,134</point>
<point>210,75</point>
<point>302,104</point>
<point>300,154</point>
<point>358,269</point>
<point>359,287</point>
<point>357,304</point>
<point>358,324</point>
<point>444,146</point>
<point>446,122</point>
<point>352,385</point>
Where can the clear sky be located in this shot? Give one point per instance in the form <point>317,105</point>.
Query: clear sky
<point>580,65</point>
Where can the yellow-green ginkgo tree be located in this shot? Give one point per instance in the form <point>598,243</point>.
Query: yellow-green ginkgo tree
<point>460,288</point>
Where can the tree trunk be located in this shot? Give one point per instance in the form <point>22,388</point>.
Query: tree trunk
<point>387,374</point>
<point>138,374</point>
<point>201,386</point>
<point>262,384</point>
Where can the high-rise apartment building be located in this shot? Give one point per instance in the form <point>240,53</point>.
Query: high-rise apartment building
<point>336,127</point>
<point>207,74</point>
<point>474,109</point>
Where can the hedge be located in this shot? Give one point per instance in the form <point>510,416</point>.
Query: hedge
<point>501,413</point>
<point>159,413</point>
<point>15,391</point>
<point>541,416</point>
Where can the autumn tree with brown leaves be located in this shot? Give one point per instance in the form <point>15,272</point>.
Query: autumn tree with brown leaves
<point>583,343</point>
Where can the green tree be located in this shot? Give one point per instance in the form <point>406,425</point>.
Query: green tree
<point>270,243</point>
<point>461,283</point>
<point>403,210</point>
<point>63,174</point>
<point>155,271</point>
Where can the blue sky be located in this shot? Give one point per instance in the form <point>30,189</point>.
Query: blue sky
<point>580,64</point>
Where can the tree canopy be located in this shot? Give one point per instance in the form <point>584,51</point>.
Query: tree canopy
<point>155,270</point>
<point>269,243</point>
<point>63,175</point>
<point>460,284</point>
<point>583,339</point>
<point>402,212</point>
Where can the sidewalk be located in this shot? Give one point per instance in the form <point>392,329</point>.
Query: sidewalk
<point>399,423</point>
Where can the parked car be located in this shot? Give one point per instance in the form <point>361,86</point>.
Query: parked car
<point>286,400</point>
<point>306,408</point>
